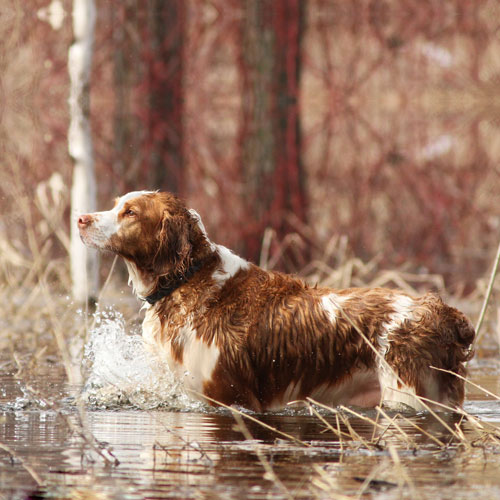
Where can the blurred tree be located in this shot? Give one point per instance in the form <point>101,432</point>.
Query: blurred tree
<point>166,22</point>
<point>148,78</point>
<point>84,262</point>
<point>275,192</point>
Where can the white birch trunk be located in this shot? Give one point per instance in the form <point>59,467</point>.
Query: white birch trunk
<point>84,261</point>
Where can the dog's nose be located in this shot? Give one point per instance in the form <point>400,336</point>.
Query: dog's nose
<point>84,221</point>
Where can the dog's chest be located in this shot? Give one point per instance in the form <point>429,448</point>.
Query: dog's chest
<point>190,358</point>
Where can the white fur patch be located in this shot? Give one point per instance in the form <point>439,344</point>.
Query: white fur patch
<point>127,197</point>
<point>151,330</point>
<point>105,223</point>
<point>139,287</point>
<point>392,396</point>
<point>196,216</point>
<point>198,359</point>
<point>404,310</point>
<point>332,304</point>
<point>97,235</point>
<point>230,265</point>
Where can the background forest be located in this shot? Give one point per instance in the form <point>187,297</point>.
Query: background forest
<point>305,132</point>
<point>355,142</point>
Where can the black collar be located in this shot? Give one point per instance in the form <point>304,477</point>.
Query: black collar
<point>153,298</point>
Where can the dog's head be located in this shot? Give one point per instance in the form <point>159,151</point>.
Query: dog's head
<point>153,230</point>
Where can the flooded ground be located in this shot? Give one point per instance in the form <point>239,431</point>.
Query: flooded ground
<point>394,97</point>
<point>48,449</point>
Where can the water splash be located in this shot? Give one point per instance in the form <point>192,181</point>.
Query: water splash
<point>120,370</point>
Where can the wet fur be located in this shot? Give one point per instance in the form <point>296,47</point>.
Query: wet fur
<point>260,339</point>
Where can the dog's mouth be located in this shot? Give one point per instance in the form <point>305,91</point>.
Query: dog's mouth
<point>92,239</point>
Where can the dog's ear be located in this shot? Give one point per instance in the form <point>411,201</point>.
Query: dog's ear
<point>174,248</point>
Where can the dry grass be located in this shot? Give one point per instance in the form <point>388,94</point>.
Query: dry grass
<point>43,325</point>
<point>388,432</point>
<point>390,435</point>
<point>40,319</point>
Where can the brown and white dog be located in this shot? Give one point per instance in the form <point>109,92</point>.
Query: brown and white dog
<point>242,335</point>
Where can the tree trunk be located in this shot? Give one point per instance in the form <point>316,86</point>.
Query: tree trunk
<point>271,168</point>
<point>84,261</point>
<point>148,78</point>
<point>166,22</point>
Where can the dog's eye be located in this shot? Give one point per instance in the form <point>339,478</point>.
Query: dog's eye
<point>129,213</point>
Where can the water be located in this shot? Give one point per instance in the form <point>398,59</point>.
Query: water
<point>121,371</point>
<point>137,435</point>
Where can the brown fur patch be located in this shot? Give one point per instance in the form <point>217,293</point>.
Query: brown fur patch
<point>274,335</point>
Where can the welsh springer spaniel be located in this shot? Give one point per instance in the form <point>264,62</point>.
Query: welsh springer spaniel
<point>241,335</point>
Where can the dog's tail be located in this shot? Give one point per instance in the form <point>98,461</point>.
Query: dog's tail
<point>457,332</point>
<point>456,336</point>
<point>429,355</point>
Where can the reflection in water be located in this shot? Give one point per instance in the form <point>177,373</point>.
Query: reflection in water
<point>399,143</point>
<point>192,454</point>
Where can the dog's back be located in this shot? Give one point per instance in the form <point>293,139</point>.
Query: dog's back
<point>241,335</point>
